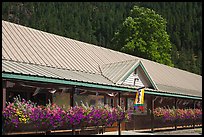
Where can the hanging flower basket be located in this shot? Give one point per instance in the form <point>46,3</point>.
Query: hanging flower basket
<point>25,115</point>
<point>179,115</point>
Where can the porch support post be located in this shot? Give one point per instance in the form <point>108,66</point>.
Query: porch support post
<point>4,95</point>
<point>194,109</point>
<point>72,105</point>
<point>175,105</point>
<point>119,131</point>
<point>126,103</point>
<point>105,100</point>
<point>3,102</point>
<point>126,108</point>
<point>152,115</point>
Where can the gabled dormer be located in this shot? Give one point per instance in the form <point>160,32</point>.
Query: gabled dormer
<point>134,79</point>
<point>138,77</point>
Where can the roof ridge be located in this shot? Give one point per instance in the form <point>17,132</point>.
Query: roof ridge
<point>119,62</point>
<point>104,75</point>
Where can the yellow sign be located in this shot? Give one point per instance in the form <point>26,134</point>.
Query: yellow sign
<point>139,99</point>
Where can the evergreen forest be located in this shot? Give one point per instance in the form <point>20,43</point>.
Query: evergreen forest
<point>97,22</point>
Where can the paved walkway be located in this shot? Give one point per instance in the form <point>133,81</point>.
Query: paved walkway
<point>196,131</point>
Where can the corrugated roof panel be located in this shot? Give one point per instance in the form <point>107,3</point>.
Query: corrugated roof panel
<point>98,53</point>
<point>42,47</point>
<point>46,49</point>
<point>69,55</point>
<point>115,56</point>
<point>27,45</point>
<point>46,52</point>
<point>55,49</point>
<point>111,56</point>
<point>82,57</point>
<point>87,54</point>
<point>116,71</point>
<point>18,43</point>
<point>173,77</point>
<point>122,56</point>
<point>22,45</point>
<point>177,90</point>
<point>125,67</point>
<point>28,69</point>
<point>66,57</point>
<point>5,55</point>
<point>93,53</point>
<point>12,67</point>
<point>36,70</point>
<point>6,68</point>
<point>33,44</point>
<point>10,45</point>
<point>5,47</point>
<point>77,54</point>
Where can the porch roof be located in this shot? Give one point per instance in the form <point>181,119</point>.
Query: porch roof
<point>12,76</point>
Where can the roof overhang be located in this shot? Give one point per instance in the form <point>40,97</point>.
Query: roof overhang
<point>90,85</point>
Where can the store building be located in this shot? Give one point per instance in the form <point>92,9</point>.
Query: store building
<point>41,66</point>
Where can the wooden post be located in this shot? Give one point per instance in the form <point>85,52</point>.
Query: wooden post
<point>175,105</point>
<point>3,103</point>
<point>126,103</point>
<point>72,96</point>
<point>4,95</point>
<point>105,100</point>
<point>152,115</point>
<point>72,105</point>
<point>119,131</point>
<point>126,108</point>
<point>194,109</point>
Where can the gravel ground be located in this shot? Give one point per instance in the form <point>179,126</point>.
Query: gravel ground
<point>196,131</point>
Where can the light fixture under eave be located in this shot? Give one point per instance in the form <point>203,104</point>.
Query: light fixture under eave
<point>83,92</point>
<point>24,85</point>
<point>52,91</point>
<point>36,91</point>
<point>112,94</point>
<point>161,100</point>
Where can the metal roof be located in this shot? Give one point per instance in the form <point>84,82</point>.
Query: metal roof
<point>44,71</point>
<point>39,53</point>
<point>28,45</point>
<point>173,80</point>
<point>116,71</point>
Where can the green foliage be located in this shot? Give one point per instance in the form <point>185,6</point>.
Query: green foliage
<point>144,34</point>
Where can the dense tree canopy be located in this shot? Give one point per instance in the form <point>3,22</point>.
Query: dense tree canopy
<point>144,34</point>
<point>96,23</point>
